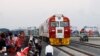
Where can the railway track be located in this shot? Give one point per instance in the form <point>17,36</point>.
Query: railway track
<point>84,52</point>
<point>87,44</point>
<point>65,51</point>
<point>74,52</point>
<point>74,49</point>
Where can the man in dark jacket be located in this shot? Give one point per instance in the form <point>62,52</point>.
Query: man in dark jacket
<point>2,44</point>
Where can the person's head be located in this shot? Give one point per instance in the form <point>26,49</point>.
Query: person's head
<point>22,34</point>
<point>3,35</point>
<point>48,45</point>
<point>15,35</point>
<point>48,42</point>
<point>10,34</point>
<point>83,29</point>
<point>30,45</point>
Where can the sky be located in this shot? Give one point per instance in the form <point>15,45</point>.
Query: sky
<point>28,13</point>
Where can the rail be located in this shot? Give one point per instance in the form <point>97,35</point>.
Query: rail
<point>65,51</point>
<point>87,44</point>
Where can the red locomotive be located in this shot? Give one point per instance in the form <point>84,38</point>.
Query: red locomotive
<point>56,30</point>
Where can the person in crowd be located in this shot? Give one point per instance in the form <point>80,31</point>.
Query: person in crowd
<point>20,41</point>
<point>82,30</point>
<point>49,50</point>
<point>2,44</point>
<point>31,40</point>
<point>11,47</point>
<point>15,37</point>
<point>25,51</point>
<point>36,41</point>
<point>83,35</point>
<point>22,35</point>
<point>35,48</point>
<point>0,37</point>
<point>39,47</point>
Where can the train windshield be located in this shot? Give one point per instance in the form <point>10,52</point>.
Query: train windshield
<point>63,24</point>
<point>55,24</point>
<point>59,24</point>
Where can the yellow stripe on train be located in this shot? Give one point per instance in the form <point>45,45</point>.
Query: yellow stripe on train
<point>59,41</point>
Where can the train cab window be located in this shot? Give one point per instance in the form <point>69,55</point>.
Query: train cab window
<point>55,24</point>
<point>63,24</point>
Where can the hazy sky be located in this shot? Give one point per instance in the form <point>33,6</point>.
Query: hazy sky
<point>25,13</point>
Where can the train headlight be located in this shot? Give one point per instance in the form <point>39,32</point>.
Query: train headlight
<point>53,30</point>
<point>66,30</point>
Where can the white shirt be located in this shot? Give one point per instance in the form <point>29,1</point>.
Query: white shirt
<point>36,40</point>
<point>31,37</point>
<point>49,49</point>
<point>15,38</point>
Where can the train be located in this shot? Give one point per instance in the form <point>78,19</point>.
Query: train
<point>56,30</point>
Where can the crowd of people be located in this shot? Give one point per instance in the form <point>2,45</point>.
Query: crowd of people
<point>14,45</point>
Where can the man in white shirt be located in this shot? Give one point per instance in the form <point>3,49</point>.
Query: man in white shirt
<point>49,50</point>
<point>36,40</point>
